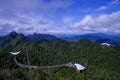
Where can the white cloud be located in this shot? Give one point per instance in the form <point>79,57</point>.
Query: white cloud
<point>101,8</point>
<point>28,24</point>
<point>23,23</point>
<point>29,5</point>
<point>108,5</point>
<point>65,32</point>
<point>102,23</point>
<point>115,2</point>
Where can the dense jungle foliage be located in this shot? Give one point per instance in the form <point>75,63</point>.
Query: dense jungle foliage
<point>102,62</point>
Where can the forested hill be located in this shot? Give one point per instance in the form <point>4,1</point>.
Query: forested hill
<point>102,62</point>
<point>12,39</point>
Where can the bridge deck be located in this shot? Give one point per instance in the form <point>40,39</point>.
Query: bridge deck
<point>42,67</point>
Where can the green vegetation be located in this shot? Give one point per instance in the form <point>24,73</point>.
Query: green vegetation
<point>103,63</point>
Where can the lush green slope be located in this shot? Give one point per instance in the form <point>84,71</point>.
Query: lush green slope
<point>12,39</point>
<point>103,63</point>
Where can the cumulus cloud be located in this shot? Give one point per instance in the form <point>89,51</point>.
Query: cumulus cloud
<point>102,23</point>
<point>29,16</point>
<point>22,23</point>
<point>27,24</point>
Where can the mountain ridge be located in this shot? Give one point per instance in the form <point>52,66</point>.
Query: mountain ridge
<point>96,37</point>
<point>37,37</point>
<point>99,38</point>
<point>12,39</point>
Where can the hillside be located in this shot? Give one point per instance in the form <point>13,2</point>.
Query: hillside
<point>96,37</point>
<point>0,38</point>
<point>101,61</point>
<point>12,39</point>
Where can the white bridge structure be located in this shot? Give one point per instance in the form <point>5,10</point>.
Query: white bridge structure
<point>77,66</point>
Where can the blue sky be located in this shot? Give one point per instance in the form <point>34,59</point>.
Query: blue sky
<point>60,16</point>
